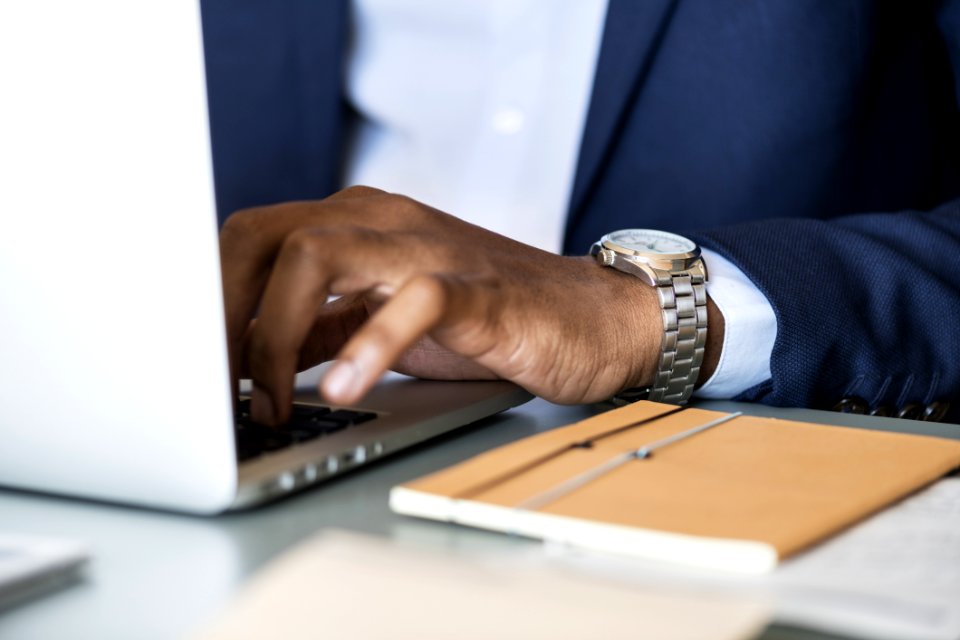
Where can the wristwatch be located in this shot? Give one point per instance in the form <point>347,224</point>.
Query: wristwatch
<point>672,265</point>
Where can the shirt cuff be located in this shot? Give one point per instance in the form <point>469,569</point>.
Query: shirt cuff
<point>750,329</point>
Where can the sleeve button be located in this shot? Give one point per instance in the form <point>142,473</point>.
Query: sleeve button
<point>911,412</point>
<point>851,404</point>
<point>882,411</point>
<point>935,411</point>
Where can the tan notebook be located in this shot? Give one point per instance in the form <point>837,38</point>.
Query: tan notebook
<point>706,489</point>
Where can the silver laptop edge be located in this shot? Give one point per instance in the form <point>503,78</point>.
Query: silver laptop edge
<point>410,411</point>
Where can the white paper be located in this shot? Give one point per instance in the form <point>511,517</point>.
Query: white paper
<point>896,575</point>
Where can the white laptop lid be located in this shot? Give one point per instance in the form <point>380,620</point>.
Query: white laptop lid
<point>113,365</point>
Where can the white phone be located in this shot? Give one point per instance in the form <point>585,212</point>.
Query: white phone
<point>31,565</point>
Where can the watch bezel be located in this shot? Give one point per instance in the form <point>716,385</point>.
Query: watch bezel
<point>609,242</point>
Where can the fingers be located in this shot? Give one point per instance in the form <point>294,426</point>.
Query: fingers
<point>251,240</point>
<point>293,295</point>
<point>281,263</point>
<point>311,264</point>
<point>336,322</point>
<point>416,308</point>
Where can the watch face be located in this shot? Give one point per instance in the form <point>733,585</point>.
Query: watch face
<point>650,241</point>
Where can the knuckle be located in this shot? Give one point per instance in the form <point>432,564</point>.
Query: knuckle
<point>318,245</point>
<point>406,208</point>
<point>431,286</point>
<point>242,226</point>
<point>307,244</point>
<point>245,219</point>
<point>300,241</point>
<point>359,191</point>
<point>432,292</point>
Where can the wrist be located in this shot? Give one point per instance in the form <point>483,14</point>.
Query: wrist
<point>633,326</point>
<point>714,346</point>
<point>638,330</point>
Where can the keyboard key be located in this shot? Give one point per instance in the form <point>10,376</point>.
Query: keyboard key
<point>246,453</point>
<point>255,436</point>
<point>321,426</point>
<point>308,411</point>
<point>351,417</point>
<point>299,435</point>
<point>307,422</point>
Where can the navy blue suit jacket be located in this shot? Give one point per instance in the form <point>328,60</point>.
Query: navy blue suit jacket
<point>815,144</point>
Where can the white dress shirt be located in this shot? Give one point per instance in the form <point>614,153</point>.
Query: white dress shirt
<point>477,107</point>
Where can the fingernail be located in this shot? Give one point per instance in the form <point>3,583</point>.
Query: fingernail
<point>341,380</point>
<point>261,406</point>
<point>384,291</point>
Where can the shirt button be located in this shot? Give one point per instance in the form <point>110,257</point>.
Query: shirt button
<point>508,121</point>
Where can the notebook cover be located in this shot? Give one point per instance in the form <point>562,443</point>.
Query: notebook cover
<point>772,484</point>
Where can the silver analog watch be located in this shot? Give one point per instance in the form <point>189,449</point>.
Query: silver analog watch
<point>672,265</point>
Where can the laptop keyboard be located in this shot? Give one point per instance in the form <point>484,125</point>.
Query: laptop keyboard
<point>307,423</point>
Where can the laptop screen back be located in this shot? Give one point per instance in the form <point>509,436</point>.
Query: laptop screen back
<point>113,366</point>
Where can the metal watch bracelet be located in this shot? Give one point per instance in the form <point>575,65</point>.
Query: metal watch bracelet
<point>683,300</point>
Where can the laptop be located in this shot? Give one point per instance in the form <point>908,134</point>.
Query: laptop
<point>114,380</point>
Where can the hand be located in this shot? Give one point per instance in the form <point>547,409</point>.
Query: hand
<point>426,294</point>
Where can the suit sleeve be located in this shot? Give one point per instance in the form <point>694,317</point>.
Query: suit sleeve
<point>867,305</point>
